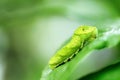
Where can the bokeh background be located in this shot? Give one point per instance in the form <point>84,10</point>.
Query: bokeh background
<point>32,30</point>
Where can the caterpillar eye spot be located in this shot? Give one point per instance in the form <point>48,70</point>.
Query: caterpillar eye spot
<point>83,29</point>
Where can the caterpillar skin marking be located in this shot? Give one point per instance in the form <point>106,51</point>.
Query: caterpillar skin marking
<point>81,36</point>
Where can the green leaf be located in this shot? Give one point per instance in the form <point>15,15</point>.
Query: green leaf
<point>109,73</point>
<point>72,70</point>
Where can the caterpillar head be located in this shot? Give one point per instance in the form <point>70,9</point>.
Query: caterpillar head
<point>85,31</point>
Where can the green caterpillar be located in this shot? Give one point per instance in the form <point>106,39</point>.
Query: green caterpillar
<point>81,36</point>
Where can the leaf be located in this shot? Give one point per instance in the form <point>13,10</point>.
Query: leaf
<point>109,73</point>
<point>71,70</point>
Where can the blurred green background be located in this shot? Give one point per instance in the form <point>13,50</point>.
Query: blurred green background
<point>32,30</point>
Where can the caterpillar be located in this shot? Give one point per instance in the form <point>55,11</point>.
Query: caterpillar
<point>81,36</point>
